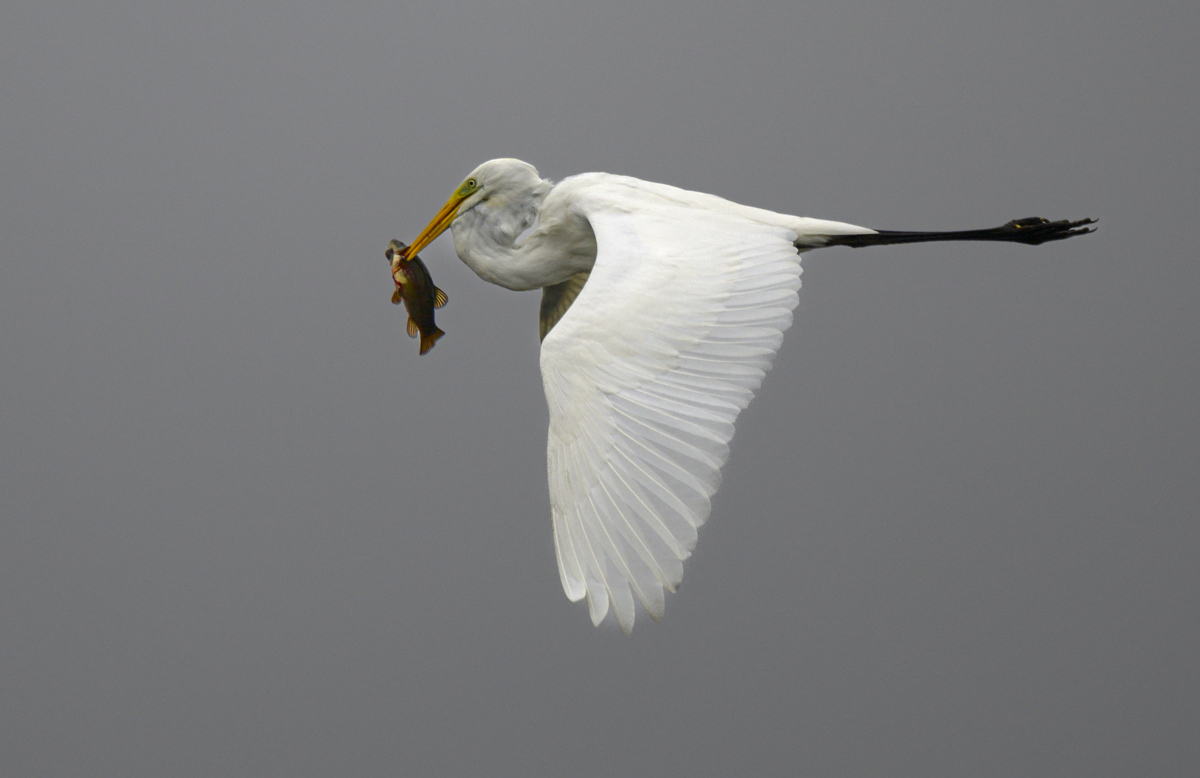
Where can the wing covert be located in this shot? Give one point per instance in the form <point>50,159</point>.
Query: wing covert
<point>645,375</point>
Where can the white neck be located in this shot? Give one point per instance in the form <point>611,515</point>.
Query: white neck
<point>485,238</point>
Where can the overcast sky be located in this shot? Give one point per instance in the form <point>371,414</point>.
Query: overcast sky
<point>245,530</point>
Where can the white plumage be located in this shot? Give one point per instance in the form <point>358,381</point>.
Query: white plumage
<point>686,300</point>
<point>645,375</point>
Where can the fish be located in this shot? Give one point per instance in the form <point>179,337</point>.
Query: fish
<point>414,287</point>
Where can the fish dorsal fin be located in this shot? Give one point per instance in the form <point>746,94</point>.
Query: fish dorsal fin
<point>412,329</point>
<point>556,300</point>
<point>439,298</point>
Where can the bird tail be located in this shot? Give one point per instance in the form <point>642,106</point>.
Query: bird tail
<point>427,341</point>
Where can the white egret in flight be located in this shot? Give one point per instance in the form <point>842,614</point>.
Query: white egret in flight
<point>662,310</point>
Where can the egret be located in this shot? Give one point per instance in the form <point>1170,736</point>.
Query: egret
<point>662,310</point>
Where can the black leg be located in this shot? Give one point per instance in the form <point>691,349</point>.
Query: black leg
<point>1031,231</point>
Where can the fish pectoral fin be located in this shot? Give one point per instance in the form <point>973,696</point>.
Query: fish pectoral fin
<point>412,328</point>
<point>439,298</point>
<point>396,297</point>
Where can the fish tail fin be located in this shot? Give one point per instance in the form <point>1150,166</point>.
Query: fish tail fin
<point>428,341</point>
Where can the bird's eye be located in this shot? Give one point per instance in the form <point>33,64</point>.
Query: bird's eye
<point>472,183</point>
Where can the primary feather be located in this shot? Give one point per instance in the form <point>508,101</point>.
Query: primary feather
<point>645,375</point>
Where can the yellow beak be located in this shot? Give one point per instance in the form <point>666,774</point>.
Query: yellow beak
<point>436,227</point>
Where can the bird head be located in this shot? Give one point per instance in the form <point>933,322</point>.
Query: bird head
<point>497,178</point>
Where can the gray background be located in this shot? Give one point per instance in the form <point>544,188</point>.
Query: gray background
<point>247,531</point>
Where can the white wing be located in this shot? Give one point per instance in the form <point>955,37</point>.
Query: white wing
<point>647,371</point>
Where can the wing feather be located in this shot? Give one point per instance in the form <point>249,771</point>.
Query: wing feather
<point>556,300</point>
<point>645,374</point>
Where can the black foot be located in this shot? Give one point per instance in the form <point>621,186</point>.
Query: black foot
<point>1035,230</point>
